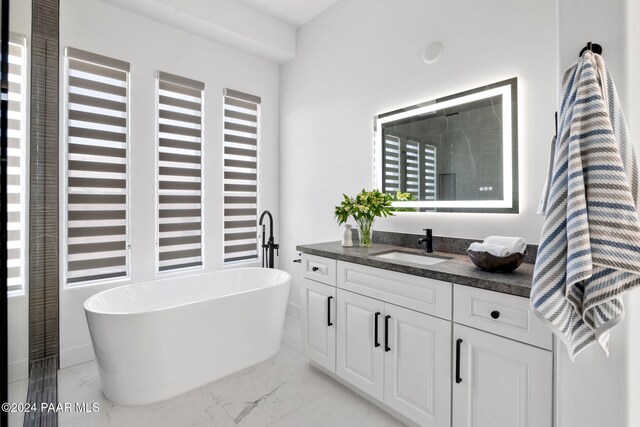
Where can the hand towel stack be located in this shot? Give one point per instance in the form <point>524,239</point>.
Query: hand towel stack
<point>500,246</point>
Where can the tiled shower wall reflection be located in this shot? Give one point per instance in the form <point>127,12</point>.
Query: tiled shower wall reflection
<point>43,185</point>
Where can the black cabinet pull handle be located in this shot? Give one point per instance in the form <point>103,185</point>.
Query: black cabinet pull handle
<point>495,314</point>
<point>376,343</point>
<point>458,379</point>
<point>386,333</point>
<point>329,311</point>
<point>314,268</point>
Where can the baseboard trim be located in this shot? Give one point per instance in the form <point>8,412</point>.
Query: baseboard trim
<point>293,310</point>
<point>76,355</point>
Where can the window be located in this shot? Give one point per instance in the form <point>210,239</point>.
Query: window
<point>420,170</point>
<point>429,171</point>
<point>241,134</point>
<point>179,172</point>
<point>16,167</point>
<point>391,164</point>
<point>410,166</point>
<point>97,228</point>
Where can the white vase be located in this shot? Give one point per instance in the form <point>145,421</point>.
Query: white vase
<point>347,236</point>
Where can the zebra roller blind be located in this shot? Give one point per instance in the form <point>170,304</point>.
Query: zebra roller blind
<point>429,172</point>
<point>391,177</point>
<point>241,137</point>
<point>97,167</point>
<point>180,103</point>
<point>410,166</point>
<point>17,160</point>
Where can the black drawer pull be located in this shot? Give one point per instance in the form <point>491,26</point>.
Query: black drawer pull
<point>386,333</point>
<point>329,323</point>
<point>376,343</point>
<point>314,269</point>
<point>495,314</point>
<point>458,379</point>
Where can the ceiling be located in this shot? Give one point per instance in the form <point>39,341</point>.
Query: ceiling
<point>293,12</point>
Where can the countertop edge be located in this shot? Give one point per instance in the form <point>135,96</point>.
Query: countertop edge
<point>490,282</point>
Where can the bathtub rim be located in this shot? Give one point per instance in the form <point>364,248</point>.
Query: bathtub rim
<point>287,278</point>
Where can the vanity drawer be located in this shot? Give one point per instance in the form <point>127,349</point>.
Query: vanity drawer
<point>319,269</point>
<point>501,314</point>
<point>417,293</point>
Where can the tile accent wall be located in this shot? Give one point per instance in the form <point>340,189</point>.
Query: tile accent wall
<point>43,185</point>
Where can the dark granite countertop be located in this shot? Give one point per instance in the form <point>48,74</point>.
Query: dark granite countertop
<point>458,269</point>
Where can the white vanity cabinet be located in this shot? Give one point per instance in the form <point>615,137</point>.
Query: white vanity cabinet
<point>440,355</point>
<point>500,382</point>
<point>319,311</point>
<point>399,356</point>
<point>417,364</point>
<point>360,346</point>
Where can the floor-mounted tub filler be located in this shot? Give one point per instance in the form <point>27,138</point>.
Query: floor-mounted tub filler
<point>157,340</point>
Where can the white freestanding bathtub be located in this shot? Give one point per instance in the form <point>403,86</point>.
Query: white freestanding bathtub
<point>156,340</point>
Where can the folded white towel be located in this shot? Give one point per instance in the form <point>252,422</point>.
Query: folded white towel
<point>513,244</point>
<point>495,250</point>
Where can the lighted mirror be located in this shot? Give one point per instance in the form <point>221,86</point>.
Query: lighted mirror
<point>458,153</point>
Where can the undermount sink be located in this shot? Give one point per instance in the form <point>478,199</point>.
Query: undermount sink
<point>410,257</point>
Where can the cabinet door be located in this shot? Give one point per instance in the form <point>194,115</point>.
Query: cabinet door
<point>360,353</point>
<point>502,383</point>
<point>319,323</point>
<point>417,366</point>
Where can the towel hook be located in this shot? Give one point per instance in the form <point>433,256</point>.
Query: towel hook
<point>593,47</point>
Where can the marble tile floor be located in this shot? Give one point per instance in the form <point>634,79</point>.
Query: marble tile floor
<point>282,391</point>
<point>17,394</point>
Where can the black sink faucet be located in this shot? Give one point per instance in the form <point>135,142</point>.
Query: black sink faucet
<point>428,239</point>
<point>268,246</point>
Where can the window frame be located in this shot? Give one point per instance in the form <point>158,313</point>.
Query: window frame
<point>258,259</point>
<point>64,177</point>
<point>23,42</point>
<point>202,266</point>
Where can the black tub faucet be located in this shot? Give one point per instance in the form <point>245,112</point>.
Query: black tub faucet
<point>268,246</point>
<point>428,239</point>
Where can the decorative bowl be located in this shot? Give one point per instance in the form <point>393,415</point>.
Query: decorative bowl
<point>488,262</point>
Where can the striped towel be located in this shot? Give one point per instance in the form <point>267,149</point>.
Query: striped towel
<point>589,253</point>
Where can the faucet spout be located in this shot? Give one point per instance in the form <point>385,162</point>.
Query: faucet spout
<point>428,240</point>
<point>269,246</point>
<point>270,223</point>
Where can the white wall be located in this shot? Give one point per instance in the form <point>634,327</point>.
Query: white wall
<point>18,306</point>
<point>360,58</point>
<point>94,26</point>
<point>228,22</point>
<point>632,14</point>
<point>597,390</point>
